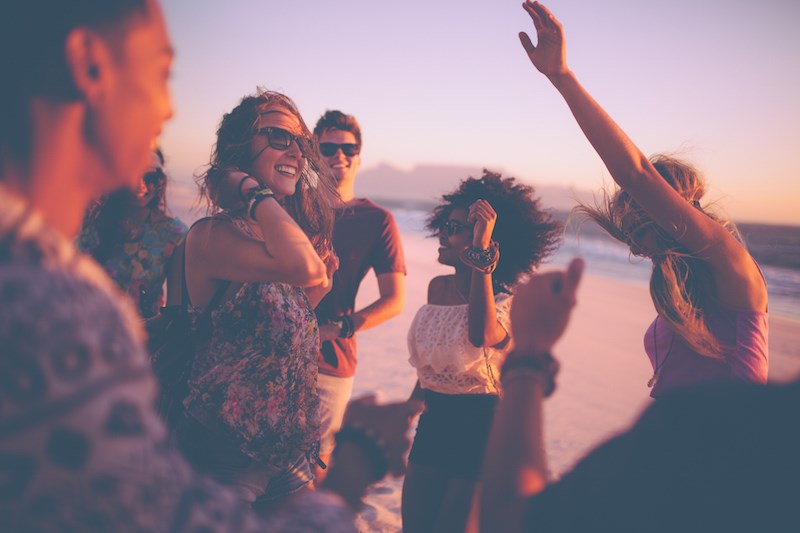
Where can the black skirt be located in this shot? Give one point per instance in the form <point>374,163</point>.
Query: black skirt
<point>452,433</point>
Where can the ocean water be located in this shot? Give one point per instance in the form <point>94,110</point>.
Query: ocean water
<point>609,258</point>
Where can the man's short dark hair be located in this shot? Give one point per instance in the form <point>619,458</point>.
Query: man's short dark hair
<point>336,120</point>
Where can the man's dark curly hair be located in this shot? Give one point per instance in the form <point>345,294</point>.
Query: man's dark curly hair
<point>525,232</point>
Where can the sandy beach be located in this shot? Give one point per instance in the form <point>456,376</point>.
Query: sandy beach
<point>602,385</point>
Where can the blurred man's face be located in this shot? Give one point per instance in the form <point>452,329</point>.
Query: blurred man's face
<point>127,122</point>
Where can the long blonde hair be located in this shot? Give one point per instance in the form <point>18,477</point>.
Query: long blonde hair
<point>681,284</point>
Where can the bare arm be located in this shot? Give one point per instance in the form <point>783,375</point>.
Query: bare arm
<point>234,188</point>
<point>391,299</point>
<point>392,296</point>
<point>316,293</point>
<point>483,327</point>
<point>736,275</point>
<point>218,250</point>
<point>515,466</point>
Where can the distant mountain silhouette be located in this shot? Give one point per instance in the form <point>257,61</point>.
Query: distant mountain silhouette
<point>426,183</point>
<point>770,244</point>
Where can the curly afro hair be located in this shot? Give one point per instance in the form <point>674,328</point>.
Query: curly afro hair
<point>525,232</point>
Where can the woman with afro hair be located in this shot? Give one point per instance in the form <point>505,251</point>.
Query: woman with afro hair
<point>491,231</point>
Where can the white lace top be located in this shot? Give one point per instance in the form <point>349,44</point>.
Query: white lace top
<point>446,362</point>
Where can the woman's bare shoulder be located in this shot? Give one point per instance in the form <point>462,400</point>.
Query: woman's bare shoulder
<point>437,288</point>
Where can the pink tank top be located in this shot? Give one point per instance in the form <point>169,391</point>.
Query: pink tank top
<point>676,364</point>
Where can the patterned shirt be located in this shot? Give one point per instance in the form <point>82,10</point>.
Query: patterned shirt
<point>139,266</point>
<point>81,448</point>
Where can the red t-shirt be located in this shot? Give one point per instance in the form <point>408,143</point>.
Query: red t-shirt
<point>365,236</point>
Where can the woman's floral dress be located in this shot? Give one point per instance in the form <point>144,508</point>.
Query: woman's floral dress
<point>255,378</point>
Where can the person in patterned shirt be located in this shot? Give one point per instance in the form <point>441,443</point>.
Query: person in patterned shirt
<point>131,234</point>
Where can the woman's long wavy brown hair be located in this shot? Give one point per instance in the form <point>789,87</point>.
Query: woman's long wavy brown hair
<point>311,205</point>
<point>681,284</point>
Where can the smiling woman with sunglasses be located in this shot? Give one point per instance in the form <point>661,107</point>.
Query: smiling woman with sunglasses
<point>252,403</point>
<point>491,231</point>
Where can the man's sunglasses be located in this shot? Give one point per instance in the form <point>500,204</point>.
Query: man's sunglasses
<point>451,227</point>
<point>280,139</point>
<point>348,149</point>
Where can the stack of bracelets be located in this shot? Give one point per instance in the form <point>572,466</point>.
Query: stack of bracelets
<point>369,443</point>
<point>542,367</point>
<point>348,328</point>
<point>255,198</point>
<point>484,261</point>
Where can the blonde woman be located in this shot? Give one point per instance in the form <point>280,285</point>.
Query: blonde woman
<point>710,295</point>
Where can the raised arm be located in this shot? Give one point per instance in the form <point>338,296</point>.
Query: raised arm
<point>515,467</point>
<point>733,267</point>
<point>483,327</point>
<point>234,189</point>
<point>215,249</point>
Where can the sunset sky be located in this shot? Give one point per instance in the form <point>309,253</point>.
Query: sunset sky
<point>446,82</point>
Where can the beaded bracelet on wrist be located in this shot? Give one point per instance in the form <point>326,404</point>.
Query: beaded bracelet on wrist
<point>542,366</point>
<point>370,444</point>
<point>482,260</point>
<point>257,198</point>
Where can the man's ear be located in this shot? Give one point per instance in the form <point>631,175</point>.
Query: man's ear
<point>89,59</point>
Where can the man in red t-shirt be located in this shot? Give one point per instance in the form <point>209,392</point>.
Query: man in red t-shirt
<point>365,237</point>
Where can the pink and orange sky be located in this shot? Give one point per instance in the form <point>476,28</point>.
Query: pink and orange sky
<point>446,82</point>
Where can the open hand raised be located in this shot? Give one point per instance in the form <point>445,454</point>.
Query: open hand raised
<point>542,306</point>
<point>549,55</point>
